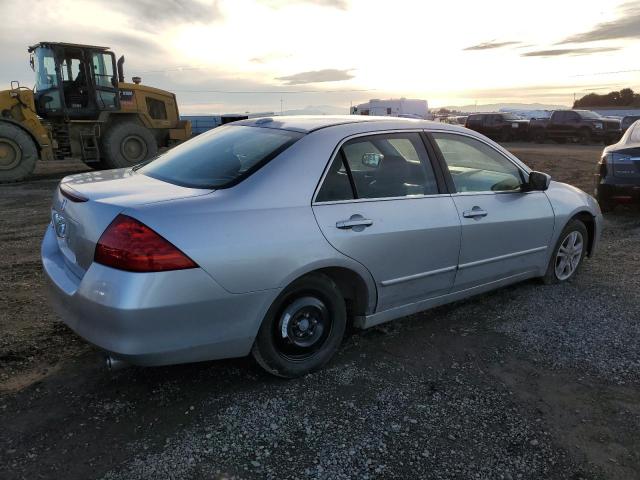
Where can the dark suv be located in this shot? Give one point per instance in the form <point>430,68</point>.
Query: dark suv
<point>498,126</point>
<point>618,174</point>
<point>627,121</point>
<point>582,126</point>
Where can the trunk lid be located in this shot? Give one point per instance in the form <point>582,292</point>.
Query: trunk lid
<point>85,204</point>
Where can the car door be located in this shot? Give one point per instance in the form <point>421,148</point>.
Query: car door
<point>556,126</point>
<point>506,231</point>
<point>380,203</point>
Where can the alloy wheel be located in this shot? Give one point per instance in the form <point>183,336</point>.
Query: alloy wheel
<point>569,255</point>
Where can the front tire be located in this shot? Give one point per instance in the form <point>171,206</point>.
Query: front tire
<point>127,144</point>
<point>568,254</point>
<point>303,328</point>
<point>18,154</point>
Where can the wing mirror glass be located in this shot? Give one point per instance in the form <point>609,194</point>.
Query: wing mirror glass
<point>372,160</point>
<point>538,181</point>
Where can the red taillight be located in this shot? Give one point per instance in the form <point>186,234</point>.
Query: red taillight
<point>128,244</point>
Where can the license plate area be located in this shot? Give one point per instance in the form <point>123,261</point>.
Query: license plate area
<point>64,228</point>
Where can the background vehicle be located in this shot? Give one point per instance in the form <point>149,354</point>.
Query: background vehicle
<point>499,126</point>
<point>226,261</point>
<point>82,107</point>
<point>618,174</point>
<point>581,126</point>
<point>627,121</point>
<point>394,107</point>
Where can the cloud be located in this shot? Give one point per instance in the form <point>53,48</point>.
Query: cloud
<point>557,52</point>
<point>627,25</point>
<point>270,57</point>
<point>339,4</point>
<point>317,76</point>
<point>151,14</point>
<point>491,45</point>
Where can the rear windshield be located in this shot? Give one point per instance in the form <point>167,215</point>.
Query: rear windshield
<point>221,157</point>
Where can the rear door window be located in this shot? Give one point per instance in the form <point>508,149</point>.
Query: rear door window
<point>379,166</point>
<point>221,157</point>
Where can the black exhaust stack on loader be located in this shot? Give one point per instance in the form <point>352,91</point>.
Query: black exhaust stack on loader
<point>120,69</point>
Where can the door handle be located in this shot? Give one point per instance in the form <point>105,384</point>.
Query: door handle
<point>356,222</point>
<point>475,212</point>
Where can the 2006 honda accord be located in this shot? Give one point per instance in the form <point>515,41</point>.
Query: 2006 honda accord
<point>270,235</point>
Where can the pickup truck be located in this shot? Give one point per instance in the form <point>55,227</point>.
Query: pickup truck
<point>582,126</point>
<point>498,126</point>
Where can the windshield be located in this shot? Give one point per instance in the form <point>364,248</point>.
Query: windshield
<point>44,65</point>
<point>589,114</point>
<point>221,157</point>
<point>510,116</point>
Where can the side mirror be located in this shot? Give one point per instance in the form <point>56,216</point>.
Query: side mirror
<point>372,159</point>
<point>538,181</point>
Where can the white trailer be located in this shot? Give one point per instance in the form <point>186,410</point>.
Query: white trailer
<point>401,107</point>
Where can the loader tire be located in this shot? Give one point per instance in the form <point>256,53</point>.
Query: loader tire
<point>127,144</point>
<point>18,154</point>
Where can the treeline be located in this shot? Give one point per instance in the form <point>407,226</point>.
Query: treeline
<point>624,98</point>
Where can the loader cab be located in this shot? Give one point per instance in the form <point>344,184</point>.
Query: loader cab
<point>74,82</point>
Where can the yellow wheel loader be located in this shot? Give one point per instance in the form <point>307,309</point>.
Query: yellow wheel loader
<point>82,107</point>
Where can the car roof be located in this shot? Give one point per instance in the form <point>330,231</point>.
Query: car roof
<point>310,123</point>
<point>67,45</point>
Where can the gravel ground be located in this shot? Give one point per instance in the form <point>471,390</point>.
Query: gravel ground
<point>528,382</point>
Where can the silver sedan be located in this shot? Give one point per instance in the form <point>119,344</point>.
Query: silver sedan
<point>270,236</point>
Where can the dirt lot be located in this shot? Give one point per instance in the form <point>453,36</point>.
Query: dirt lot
<point>531,381</point>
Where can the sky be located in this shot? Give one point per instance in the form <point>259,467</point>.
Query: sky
<point>224,56</point>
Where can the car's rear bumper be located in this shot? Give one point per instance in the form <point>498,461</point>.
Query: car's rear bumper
<point>619,191</point>
<point>153,318</point>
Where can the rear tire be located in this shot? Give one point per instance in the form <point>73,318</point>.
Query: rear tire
<point>505,136</point>
<point>127,144</point>
<point>538,136</point>
<point>18,153</point>
<point>584,137</point>
<point>303,328</point>
<point>568,254</point>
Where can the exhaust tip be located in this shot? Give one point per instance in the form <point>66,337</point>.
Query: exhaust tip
<point>114,364</point>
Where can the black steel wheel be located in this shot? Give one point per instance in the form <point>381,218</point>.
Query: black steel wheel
<point>303,328</point>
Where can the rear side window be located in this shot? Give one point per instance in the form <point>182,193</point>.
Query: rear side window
<point>221,157</point>
<point>156,108</point>
<point>379,166</point>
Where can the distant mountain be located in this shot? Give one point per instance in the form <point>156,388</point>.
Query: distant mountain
<point>319,110</point>
<point>494,107</point>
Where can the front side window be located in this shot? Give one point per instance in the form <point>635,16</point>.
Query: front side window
<point>103,70</point>
<point>476,167</point>
<point>221,157</point>
<point>379,166</point>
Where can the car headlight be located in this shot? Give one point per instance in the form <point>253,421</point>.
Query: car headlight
<point>598,125</point>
